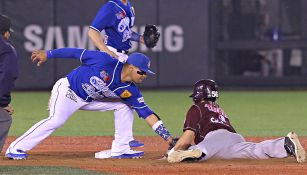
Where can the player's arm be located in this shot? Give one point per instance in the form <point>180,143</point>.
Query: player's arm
<point>103,19</point>
<point>95,36</point>
<point>41,56</point>
<point>136,101</point>
<point>88,57</point>
<point>185,140</point>
<point>137,37</point>
<point>190,128</point>
<point>154,121</point>
<point>157,125</point>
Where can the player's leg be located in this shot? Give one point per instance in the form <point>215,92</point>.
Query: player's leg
<point>122,57</point>
<point>275,148</point>
<point>222,144</point>
<point>5,124</point>
<point>215,142</point>
<point>263,150</point>
<point>123,128</point>
<point>123,119</point>
<point>63,103</point>
<point>123,123</point>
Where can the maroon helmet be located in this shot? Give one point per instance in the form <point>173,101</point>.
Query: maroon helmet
<point>205,90</point>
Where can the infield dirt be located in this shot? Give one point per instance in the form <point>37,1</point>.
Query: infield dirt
<point>74,151</point>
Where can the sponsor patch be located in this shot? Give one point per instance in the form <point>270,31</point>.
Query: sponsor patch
<point>141,100</point>
<point>104,75</point>
<point>125,94</point>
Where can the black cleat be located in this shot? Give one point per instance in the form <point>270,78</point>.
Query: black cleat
<point>294,147</point>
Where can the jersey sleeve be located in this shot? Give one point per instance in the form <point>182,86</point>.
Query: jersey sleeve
<point>192,119</point>
<point>104,18</point>
<point>71,53</point>
<point>87,57</point>
<point>93,57</point>
<point>136,102</point>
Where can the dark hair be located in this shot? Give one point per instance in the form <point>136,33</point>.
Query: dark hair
<point>5,24</point>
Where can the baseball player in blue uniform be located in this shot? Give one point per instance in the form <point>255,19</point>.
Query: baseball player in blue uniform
<point>116,18</point>
<point>100,83</point>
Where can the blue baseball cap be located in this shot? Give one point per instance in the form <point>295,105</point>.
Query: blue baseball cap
<point>140,61</point>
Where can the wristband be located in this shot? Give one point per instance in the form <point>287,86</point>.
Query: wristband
<point>160,129</point>
<point>135,37</point>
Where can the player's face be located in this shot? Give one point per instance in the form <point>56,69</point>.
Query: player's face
<point>138,76</point>
<point>7,35</point>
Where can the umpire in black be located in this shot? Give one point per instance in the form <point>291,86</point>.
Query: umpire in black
<point>8,75</point>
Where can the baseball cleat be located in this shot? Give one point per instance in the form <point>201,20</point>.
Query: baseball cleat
<point>136,143</point>
<point>105,154</point>
<point>294,147</point>
<point>183,155</point>
<point>131,154</point>
<point>16,154</point>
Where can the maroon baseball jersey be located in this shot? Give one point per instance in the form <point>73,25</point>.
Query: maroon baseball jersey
<point>204,117</point>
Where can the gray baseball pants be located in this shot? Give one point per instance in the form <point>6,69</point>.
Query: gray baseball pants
<point>5,124</point>
<point>222,144</point>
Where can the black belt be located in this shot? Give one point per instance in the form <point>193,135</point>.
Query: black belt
<point>122,51</point>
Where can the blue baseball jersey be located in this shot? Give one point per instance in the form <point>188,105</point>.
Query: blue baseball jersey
<point>99,77</point>
<point>117,20</point>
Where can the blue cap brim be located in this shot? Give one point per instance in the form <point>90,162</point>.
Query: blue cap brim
<point>151,72</point>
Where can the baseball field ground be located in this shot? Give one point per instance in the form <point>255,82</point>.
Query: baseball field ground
<point>258,115</point>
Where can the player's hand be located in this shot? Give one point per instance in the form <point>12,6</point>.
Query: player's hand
<point>40,56</point>
<point>9,109</point>
<point>173,142</point>
<point>142,39</point>
<point>112,54</point>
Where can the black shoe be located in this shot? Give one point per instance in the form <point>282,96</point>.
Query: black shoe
<point>190,159</point>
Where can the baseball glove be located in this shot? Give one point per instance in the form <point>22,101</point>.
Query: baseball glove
<point>174,141</point>
<point>151,35</point>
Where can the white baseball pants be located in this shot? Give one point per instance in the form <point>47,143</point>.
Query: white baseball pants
<point>63,103</point>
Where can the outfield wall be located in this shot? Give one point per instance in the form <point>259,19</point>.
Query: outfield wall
<point>230,41</point>
<point>179,59</point>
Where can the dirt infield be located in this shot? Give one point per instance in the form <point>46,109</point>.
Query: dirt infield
<point>79,152</point>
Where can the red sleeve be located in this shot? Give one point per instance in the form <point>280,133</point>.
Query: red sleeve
<point>192,119</point>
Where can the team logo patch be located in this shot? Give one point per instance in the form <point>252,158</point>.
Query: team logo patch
<point>141,100</point>
<point>120,15</point>
<point>104,75</point>
<point>125,94</point>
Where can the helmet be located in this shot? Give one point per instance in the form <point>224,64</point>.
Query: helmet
<point>205,90</point>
